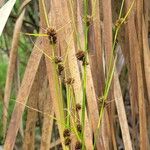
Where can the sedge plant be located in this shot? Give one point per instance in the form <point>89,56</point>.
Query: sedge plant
<point>112,65</point>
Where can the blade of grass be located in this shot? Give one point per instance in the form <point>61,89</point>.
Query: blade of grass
<point>122,114</point>
<point>11,68</point>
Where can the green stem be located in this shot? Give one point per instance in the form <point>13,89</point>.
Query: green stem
<point>86,30</point>
<point>68,105</point>
<point>58,89</point>
<point>111,58</point>
<point>83,102</point>
<point>121,9</point>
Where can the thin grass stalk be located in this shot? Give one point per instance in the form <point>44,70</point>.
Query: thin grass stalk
<point>87,133</point>
<point>112,66</point>
<point>90,91</point>
<point>76,80</point>
<point>54,80</point>
<point>83,103</point>
<point>115,38</point>
<point>45,13</point>
<point>83,109</point>
<point>68,106</point>
<point>58,91</point>
<point>103,102</point>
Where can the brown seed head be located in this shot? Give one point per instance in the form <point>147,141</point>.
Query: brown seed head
<point>80,55</point>
<point>70,81</point>
<point>79,128</point>
<point>57,59</point>
<point>67,141</point>
<point>78,145</point>
<point>51,31</point>
<point>78,107</point>
<point>52,35</point>
<point>66,133</point>
<point>53,40</point>
<point>60,68</point>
